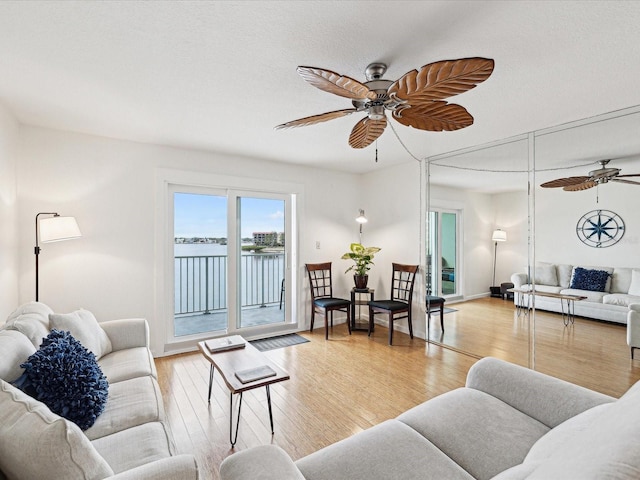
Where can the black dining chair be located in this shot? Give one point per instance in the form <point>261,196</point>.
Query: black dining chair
<point>399,305</point>
<point>322,299</point>
<point>434,304</point>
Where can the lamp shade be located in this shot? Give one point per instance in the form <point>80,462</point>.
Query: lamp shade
<point>499,236</point>
<point>361,218</point>
<point>58,228</point>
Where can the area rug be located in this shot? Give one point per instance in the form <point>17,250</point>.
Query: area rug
<point>445,310</point>
<point>278,342</point>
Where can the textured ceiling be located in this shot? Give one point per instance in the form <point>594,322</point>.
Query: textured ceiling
<point>220,75</point>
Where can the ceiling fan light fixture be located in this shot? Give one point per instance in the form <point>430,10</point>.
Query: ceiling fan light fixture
<point>376,112</point>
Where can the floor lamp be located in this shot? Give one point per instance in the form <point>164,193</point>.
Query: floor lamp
<point>53,229</point>
<point>498,236</point>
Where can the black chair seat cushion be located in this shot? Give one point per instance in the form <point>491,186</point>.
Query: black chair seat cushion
<point>432,300</point>
<point>392,305</point>
<point>330,302</point>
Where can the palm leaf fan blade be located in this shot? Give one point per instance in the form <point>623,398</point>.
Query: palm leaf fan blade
<point>580,186</point>
<point>313,119</point>
<point>434,117</point>
<point>564,182</point>
<point>366,132</point>
<point>440,80</point>
<point>335,83</point>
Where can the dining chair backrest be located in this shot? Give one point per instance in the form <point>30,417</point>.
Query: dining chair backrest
<point>320,280</point>
<point>402,280</point>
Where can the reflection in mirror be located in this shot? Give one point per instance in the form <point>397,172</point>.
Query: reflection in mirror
<point>497,186</point>
<point>471,194</point>
<point>593,351</point>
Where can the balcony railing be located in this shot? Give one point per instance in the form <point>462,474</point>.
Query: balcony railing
<point>201,282</point>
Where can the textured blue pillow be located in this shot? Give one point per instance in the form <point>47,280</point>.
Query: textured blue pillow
<point>593,280</point>
<point>65,376</point>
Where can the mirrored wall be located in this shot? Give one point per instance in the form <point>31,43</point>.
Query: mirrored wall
<point>471,194</point>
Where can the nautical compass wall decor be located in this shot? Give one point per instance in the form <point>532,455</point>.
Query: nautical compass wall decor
<point>600,228</point>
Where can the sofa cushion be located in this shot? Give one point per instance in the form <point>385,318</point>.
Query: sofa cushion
<point>391,449</point>
<point>607,448</point>
<point>452,422</point>
<point>85,328</point>
<point>15,348</point>
<point>66,377</point>
<point>621,280</point>
<point>151,440</point>
<point>266,462</point>
<point>31,319</point>
<point>634,287</point>
<point>564,433</point>
<point>592,280</point>
<point>564,273</point>
<point>36,443</point>
<point>546,275</point>
<point>620,299</point>
<point>131,403</point>
<point>126,364</point>
<point>519,472</point>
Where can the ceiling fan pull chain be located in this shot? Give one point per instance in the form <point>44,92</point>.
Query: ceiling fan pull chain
<point>376,151</point>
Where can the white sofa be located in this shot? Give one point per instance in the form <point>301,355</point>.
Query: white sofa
<point>129,440</point>
<point>621,290</point>
<point>507,423</point>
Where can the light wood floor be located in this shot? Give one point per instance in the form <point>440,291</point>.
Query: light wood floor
<point>349,383</point>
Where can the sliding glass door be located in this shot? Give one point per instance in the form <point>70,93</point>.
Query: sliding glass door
<point>230,260</point>
<point>443,272</point>
<point>262,252</point>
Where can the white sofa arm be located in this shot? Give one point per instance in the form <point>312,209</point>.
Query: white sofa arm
<point>267,462</point>
<point>180,467</point>
<point>549,400</point>
<point>633,327</point>
<point>127,333</point>
<point>519,279</point>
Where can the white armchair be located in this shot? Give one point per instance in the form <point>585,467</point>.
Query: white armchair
<point>633,327</point>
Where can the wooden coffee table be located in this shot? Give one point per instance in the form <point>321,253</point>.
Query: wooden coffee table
<point>232,361</point>
<point>569,300</point>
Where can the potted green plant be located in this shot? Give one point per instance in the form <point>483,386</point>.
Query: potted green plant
<point>363,258</point>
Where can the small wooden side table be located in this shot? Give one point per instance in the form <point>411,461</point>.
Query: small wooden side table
<point>356,299</point>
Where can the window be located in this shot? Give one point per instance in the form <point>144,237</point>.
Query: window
<point>229,260</point>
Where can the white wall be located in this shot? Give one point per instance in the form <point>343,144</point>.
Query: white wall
<point>109,186</point>
<point>556,214</point>
<point>391,199</point>
<point>9,131</point>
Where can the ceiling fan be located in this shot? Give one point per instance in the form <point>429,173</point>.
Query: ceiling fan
<point>414,100</point>
<point>596,177</point>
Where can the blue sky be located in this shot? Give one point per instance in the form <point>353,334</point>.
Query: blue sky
<point>206,215</point>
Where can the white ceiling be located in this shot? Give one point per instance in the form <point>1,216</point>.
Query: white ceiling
<point>220,75</point>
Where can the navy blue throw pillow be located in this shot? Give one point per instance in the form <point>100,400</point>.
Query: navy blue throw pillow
<point>66,377</point>
<point>593,280</point>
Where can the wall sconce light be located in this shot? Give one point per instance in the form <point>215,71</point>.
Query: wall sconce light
<point>361,219</point>
<point>498,236</point>
<point>53,229</point>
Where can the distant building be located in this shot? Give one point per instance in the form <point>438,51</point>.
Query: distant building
<point>268,239</point>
